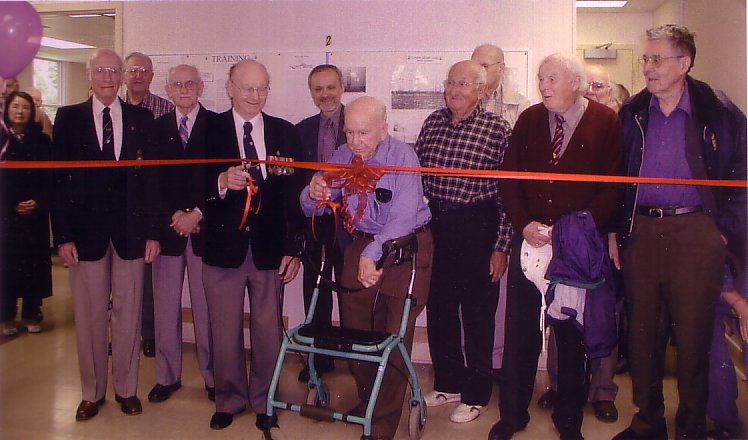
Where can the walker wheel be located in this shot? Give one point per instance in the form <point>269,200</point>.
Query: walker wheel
<point>318,397</point>
<point>417,420</point>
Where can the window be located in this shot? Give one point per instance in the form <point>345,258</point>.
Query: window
<point>48,79</point>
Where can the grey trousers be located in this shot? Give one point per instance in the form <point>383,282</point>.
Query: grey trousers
<point>91,283</point>
<point>168,277</point>
<point>224,290</point>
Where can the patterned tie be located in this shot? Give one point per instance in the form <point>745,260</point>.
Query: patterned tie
<point>328,142</point>
<point>107,139</point>
<point>183,133</point>
<point>250,152</point>
<point>558,139</point>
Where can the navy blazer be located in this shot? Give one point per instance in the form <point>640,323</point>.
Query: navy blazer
<point>95,205</point>
<point>309,132</point>
<point>274,229</point>
<point>182,186</point>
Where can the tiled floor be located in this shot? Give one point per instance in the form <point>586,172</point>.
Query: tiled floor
<point>40,390</point>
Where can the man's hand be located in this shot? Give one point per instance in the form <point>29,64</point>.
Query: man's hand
<point>185,223</point>
<point>368,275</point>
<point>233,178</point>
<point>613,250</point>
<point>497,266</point>
<point>289,268</point>
<point>152,249</point>
<point>318,189</point>
<point>26,207</point>
<point>69,253</point>
<point>537,234</point>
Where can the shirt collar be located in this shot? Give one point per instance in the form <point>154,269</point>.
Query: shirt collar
<point>191,116</point>
<point>98,106</point>
<point>476,111</point>
<point>574,113</point>
<point>380,156</point>
<point>238,120</point>
<point>334,118</point>
<point>684,103</point>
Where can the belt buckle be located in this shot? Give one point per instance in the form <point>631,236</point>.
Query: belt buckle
<point>656,212</point>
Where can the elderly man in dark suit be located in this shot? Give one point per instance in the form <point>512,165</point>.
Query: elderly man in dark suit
<point>181,134</point>
<point>251,218</point>
<point>103,224</point>
<point>321,135</point>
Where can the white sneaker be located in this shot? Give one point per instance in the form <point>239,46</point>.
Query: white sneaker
<point>466,413</point>
<point>9,329</point>
<point>437,398</point>
<point>33,327</point>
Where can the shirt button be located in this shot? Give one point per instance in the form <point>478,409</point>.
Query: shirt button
<point>550,201</point>
<point>247,229</point>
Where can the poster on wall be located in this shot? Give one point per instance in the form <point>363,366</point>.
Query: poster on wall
<point>411,83</point>
<point>289,93</point>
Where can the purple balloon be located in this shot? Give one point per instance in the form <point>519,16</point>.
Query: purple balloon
<point>20,36</point>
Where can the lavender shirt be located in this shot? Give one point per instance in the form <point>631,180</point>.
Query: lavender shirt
<point>665,156</point>
<point>385,220</point>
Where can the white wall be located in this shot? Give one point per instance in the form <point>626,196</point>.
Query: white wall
<point>213,27</point>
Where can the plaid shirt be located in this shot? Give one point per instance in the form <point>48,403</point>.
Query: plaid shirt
<point>477,142</point>
<point>156,104</point>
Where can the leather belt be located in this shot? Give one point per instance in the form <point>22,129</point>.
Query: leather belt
<point>362,234</point>
<point>667,212</point>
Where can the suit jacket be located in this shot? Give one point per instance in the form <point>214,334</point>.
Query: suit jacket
<point>273,230</point>
<point>95,205</point>
<point>309,132</point>
<point>182,187</point>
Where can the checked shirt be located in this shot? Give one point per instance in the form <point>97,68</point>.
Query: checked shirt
<point>477,142</point>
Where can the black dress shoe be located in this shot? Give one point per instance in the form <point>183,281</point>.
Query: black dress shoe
<point>221,420</point>
<point>159,392</point>
<point>629,434</point>
<point>149,348</point>
<point>129,405</point>
<point>87,410</point>
<point>547,400</point>
<point>265,422</point>
<point>211,393</point>
<point>501,431</point>
<point>605,411</point>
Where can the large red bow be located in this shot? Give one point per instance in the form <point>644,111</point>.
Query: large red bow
<point>359,180</point>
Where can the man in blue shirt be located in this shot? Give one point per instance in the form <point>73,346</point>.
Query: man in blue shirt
<point>677,235</point>
<point>394,210</point>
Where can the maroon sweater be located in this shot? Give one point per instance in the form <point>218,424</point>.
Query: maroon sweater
<point>596,147</point>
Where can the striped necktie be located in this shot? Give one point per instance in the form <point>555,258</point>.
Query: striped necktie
<point>183,131</point>
<point>107,141</point>
<point>558,139</point>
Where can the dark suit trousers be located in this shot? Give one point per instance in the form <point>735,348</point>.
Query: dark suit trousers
<point>224,292</point>
<point>324,228</point>
<point>673,270</point>
<point>372,309</point>
<point>461,288</point>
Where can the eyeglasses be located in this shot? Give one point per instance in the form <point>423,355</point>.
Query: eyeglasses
<point>104,70</point>
<point>261,91</point>
<point>460,84</point>
<point>597,85</point>
<point>487,65</point>
<point>189,85</point>
<point>656,60</point>
<point>137,69</point>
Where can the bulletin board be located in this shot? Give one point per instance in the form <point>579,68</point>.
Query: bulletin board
<point>409,82</point>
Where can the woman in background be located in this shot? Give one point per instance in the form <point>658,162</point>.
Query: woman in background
<point>25,264</point>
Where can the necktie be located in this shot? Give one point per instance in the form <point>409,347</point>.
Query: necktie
<point>558,139</point>
<point>183,131</point>
<point>250,152</point>
<point>107,138</point>
<point>328,142</point>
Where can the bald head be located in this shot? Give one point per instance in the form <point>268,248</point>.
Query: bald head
<point>365,126</point>
<point>104,72</point>
<point>598,84</point>
<point>36,94</point>
<point>492,59</point>
<point>248,87</point>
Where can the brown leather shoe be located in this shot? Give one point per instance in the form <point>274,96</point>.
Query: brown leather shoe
<point>605,411</point>
<point>87,410</point>
<point>129,405</point>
